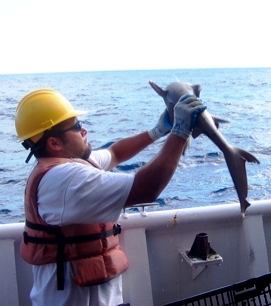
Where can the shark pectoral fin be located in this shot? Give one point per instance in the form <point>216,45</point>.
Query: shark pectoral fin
<point>196,132</point>
<point>158,89</point>
<point>196,90</point>
<point>247,156</point>
<point>217,121</point>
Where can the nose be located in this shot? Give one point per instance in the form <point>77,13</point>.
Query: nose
<point>83,131</point>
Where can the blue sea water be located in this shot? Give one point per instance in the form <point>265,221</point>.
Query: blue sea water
<point>121,103</point>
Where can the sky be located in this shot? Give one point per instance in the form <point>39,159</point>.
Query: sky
<point>40,36</point>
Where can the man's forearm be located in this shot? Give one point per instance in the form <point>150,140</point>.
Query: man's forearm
<point>127,148</point>
<point>154,176</point>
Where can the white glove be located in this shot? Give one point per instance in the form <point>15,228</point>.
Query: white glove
<point>162,128</point>
<point>186,111</point>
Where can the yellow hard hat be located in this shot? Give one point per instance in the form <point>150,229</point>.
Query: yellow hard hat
<point>40,110</point>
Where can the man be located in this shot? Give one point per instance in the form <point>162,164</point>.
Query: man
<point>72,201</point>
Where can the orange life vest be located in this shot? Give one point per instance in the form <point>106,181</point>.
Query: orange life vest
<point>92,249</point>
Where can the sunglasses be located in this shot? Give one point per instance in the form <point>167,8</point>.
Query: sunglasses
<point>76,128</point>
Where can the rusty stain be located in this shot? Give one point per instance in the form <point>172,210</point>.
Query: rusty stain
<point>175,219</point>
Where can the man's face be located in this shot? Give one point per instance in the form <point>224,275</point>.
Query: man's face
<point>74,139</point>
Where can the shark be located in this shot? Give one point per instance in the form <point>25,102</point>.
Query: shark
<point>209,125</point>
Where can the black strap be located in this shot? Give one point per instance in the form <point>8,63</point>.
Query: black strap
<point>54,230</point>
<point>50,229</point>
<point>60,261</point>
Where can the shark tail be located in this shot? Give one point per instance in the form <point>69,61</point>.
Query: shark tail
<point>247,156</point>
<point>245,205</point>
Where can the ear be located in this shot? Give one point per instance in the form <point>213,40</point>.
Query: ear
<point>54,144</point>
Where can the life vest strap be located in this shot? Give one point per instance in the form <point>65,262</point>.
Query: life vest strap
<point>61,241</point>
<point>56,230</point>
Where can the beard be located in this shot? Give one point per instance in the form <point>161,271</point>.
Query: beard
<point>87,152</point>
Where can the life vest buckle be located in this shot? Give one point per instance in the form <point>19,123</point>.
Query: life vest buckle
<point>116,229</point>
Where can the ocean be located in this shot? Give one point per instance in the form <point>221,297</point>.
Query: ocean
<point>121,103</point>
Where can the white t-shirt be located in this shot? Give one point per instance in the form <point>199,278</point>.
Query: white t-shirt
<point>75,193</point>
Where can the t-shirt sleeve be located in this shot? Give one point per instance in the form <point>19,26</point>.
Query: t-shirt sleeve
<point>102,157</point>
